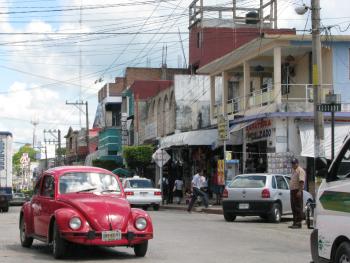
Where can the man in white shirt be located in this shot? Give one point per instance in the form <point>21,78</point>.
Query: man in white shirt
<point>196,185</point>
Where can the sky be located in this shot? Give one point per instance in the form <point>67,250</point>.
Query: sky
<point>54,51</point>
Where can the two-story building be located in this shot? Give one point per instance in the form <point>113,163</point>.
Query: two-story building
<point>267,94</point>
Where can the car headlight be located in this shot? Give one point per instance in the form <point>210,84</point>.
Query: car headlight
<point>75,223</point>
<point>141,223</point>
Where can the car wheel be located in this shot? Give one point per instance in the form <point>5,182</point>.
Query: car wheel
<point>25,240</point>
<point>141,249</point>
<point>342,254</point>
<point>276,214</point>
<point>229,217</point>
<point>58,243</point>
<point>6,209</point>
<point>156,207</point>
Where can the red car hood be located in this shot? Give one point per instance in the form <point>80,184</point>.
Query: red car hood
<point>103,212</point>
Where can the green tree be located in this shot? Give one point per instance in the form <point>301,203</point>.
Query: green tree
<point>138,157</point>
<point>16,159</point>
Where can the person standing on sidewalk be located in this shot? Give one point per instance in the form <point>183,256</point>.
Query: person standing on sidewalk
<point>296,186</point>
<point>196,184</point>
<point>178,192</point>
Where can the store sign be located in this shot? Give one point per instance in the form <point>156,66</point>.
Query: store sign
<point>125,134</point>
<point>259,130</point>
<point>223,128</point>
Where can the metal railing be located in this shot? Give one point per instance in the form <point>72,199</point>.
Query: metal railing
<point>295,98</point>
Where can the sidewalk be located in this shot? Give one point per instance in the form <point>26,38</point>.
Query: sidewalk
<point>213,209</point>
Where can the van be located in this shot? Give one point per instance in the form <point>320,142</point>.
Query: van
<point>330,239</point>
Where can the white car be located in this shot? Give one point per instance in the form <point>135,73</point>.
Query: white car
<point>264,195</point>
<point>141,192</point>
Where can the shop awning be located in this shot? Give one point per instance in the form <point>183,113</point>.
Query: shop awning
<point>341,130</point>
<point>200,137</point>
<point>240,126</point>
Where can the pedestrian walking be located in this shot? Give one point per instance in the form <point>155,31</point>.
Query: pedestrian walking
<point>165,189</point>
<point>296,186</point>
<point>196,185</point>
<point>178,190</point>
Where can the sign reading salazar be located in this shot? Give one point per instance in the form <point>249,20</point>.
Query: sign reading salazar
<point>161,157</point>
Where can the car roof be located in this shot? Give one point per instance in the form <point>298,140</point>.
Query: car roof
<point>136,177</point>
<point>261,174</point>
<point>57,171</point>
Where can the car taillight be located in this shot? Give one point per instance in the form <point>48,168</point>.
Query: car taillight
<point>225,194</point>
<point>265,193</point>
<point>157,193</point>
<point>129,193</point>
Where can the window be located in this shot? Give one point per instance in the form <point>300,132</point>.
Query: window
<point>48,188</point>
<point>251,181</point>
<point>274,183</point>
<point>199,39</point>
<point>36,190</point>
<point>281,183</point>
<point>141,184</point>
<point>343,166</point>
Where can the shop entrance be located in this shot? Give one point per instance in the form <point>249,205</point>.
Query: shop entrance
<point>256,157</point>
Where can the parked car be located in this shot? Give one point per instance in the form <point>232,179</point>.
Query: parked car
<point>18,199</point>
<point>264,195</point>
<point>141,192</point>
<point>83,205</point>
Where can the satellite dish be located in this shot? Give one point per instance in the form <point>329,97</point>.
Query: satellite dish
<point>301,10</point>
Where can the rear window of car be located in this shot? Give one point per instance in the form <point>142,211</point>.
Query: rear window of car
<point>251,181</point>
<point>140,184</point>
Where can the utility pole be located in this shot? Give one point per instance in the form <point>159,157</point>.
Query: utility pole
<point>317,84</point>
<point>78,104</point>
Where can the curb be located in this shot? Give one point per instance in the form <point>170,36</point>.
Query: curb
<point>215,211</point>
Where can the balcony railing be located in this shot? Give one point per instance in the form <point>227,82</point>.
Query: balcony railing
<point>295,98</point>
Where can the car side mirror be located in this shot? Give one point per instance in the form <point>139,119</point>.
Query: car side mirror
<point>321,167</point>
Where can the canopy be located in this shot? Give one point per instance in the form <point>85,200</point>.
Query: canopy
<point>122,172</point>
<point>341,130</point>
<point>199,137</point>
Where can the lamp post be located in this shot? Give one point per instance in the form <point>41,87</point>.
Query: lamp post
<point>316,80</point>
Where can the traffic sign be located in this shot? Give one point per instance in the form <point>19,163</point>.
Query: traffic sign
<point>161,157</point>
<point>332,107</point>
<point>223,128</point>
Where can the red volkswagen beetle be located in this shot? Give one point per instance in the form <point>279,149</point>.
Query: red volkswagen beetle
<point>84,205</point>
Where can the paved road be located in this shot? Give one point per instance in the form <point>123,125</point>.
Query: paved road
<point>179,237</point>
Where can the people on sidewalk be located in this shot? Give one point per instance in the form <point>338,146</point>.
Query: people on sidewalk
<point>178,190</point>
<point>196,185</point>
<point>165,189</point>
<point>296,186</point>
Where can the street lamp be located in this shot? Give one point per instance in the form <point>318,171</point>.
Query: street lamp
<point>316,76</point>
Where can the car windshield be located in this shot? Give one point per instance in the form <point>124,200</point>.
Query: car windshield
<point>86,182</point>
<point>140,184</point>
<point>250,181</point>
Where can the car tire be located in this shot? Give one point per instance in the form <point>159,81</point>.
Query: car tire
<point>229,217</point>
<point>25,240</point>
<point>141,249</point>
<point>156,207</point>
<point>343,253</point>
<point>276,213</point>
<point>6,209</point>
<point>59,245</point>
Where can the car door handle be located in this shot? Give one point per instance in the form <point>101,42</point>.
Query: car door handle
<point>280,193</point>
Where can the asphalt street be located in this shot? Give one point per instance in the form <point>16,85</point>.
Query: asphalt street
<point>179,237</point>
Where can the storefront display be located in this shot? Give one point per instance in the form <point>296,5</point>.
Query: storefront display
<point>280,163</point>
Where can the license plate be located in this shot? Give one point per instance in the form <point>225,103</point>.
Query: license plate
<point>111,235</point>
<point>143,193</point>
<point>243,206</point>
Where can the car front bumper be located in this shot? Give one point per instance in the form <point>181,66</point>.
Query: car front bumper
<point>255,208</point>
<point>95,238</point>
